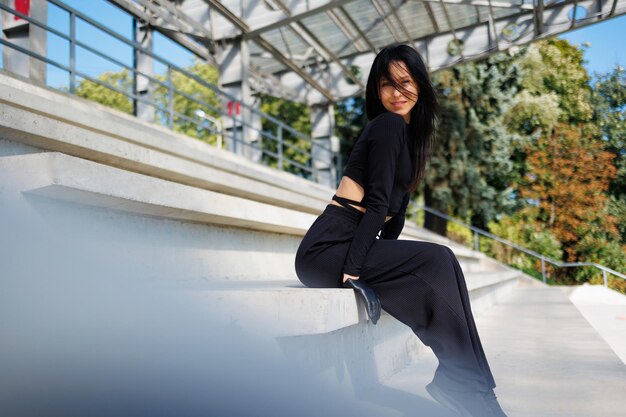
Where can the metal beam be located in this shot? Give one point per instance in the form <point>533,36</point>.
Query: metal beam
<point>613,8</point>
<point>294,17</point>
<point>452,31</point>
<point>270,84</point>
<point>352,38</point>
<point>358,29</point>
<point>385,17</point>
<point>407,35</point>
<point>431,16</point>
<point>492,26</point>
<point>292,66</point>
<point>180,16</point>
<point>180,34</point>
<point>485,3</point>
<point>539,18</point>
<point>312,40</point>
<point>571,26</point>
<point>243,26</point>
<point>229,15</point>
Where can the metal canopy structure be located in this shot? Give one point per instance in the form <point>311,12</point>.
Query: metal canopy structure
<point>317,51</point>
<point>313,51</point>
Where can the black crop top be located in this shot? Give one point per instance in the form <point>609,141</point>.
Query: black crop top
<point>381,164</point>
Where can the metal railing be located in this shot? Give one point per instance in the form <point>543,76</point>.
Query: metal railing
<point>206,117</point>
<point>476,232</point>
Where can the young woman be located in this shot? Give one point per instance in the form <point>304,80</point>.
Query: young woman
<point>419,283</point>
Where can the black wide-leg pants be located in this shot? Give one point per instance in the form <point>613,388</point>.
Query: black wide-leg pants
<point>419,283</point>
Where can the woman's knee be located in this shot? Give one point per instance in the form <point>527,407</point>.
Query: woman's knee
<point>438,251</point>
<point>439,257</point>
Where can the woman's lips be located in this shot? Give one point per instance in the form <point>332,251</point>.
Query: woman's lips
<point>398,103</point>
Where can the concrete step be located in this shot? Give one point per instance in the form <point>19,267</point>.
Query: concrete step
<point>290,309</point>
<point>547,360</point>
<point>67,179</point>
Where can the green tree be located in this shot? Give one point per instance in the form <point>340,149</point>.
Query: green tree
<point>185,90</point>
<point>188,97</point>
<point>294,115</point>
<point>350,119</point>
<point>523,229</point>
<point>569,173</point>
<point>609,101</point>
<point>566,171</point>
<point>471,171</point>
<point>104,95</point>
<point>563,73</point>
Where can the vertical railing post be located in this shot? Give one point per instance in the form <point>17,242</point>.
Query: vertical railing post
<point>170,98</point>
<point>313,167</point>
<point>233,142</point>
<point>543,269</point>
<point>606,282</point>
<point>72,53</point>
<point>280,147</point>
<point>476,243</point>
<point>220,140</point>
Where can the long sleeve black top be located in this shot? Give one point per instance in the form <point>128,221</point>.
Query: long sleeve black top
<point>381,164</point>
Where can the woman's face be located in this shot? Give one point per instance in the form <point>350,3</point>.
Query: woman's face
<point>394,100</point>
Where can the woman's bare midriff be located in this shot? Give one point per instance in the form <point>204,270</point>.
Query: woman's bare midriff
<point>348,188</point>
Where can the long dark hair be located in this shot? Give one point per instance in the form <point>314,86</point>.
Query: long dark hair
<point>424,114</point>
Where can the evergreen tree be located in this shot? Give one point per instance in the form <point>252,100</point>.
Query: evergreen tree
<point>296,116</point>
<point>350,119</point>
<point>609,101</point>
<point>471,170</point>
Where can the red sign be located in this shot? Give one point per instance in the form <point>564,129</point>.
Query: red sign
<point>22,6</point>
<point>230,108</point>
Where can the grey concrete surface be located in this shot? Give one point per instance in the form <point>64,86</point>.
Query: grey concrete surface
<point>547,360</point>
<point>605,310</point>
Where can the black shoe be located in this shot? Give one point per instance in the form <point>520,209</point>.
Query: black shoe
<point>492,404</point>
<point>467,404</point>
<point>447,400</point>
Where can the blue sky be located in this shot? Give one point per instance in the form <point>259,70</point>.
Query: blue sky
<point>607,44</point>
<point>606,39</point>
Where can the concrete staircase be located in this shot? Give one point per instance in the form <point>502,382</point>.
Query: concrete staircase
<point>254,286</point>
<point>87,194</point>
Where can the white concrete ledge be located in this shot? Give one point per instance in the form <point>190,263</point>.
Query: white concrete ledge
<point>291,309</point>
<point>73,179</point>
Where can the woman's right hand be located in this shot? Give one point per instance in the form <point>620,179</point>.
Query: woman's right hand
<point>346,276</point>
<point>372,303</point>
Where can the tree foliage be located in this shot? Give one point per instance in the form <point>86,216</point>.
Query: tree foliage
<point>610,115</point>
<point>523,229</point>
<point>568,166</point>
<point>294,115</point>
<point>566,183</point>
<point>104,95</point>
<point>202,98</point>
<point>183,87</point>
<point>471,170</point>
